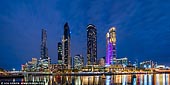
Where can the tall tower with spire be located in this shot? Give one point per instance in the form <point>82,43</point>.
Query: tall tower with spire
<point>66,46</point>
<point>44,49</point>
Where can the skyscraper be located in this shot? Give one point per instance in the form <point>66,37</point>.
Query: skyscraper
<point>66,46</point>
<point>110,45</point>
<point>91,45</point>
<point>44,50</point>
<point>45,59</point>
<point>59,48</point>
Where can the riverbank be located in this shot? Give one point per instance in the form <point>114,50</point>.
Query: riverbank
<point>11,76</point>
<point>22,74</point>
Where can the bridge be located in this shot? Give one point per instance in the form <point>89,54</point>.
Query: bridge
<point>15,73</point>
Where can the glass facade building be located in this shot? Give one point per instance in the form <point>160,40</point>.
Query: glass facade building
<point>91,45</point>
<point>59,49</point>
<point>110,45</point>
<point>66,46</point>
<point>44,50</point>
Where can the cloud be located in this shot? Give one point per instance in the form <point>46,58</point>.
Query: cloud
<point>142,27</point>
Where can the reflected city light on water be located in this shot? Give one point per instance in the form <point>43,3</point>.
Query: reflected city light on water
<point>141,79</point>
<point>163,79</point>
<point>157,79</point>
<point>124,80</point>
<point>150,79</point>
<point>167,79</point>
<point>145,79</point>
<point>108,80</point>
<point>135,79</point>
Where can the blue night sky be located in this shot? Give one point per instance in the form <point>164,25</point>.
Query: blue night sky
<point>143,28</point>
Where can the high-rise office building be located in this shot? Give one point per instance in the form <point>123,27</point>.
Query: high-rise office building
<point>44,50</point>
<point>78,61</point>
<point>66,46</point>
<point>110,45</point>
<point>91,45</point>
<point>45,59</point>
<point>59,49</point>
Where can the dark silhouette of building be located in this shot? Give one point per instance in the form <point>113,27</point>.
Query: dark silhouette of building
<point>91,45</point>
<point>66,46</point>
<point>59,49</point>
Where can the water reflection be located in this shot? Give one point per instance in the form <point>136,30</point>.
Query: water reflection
<point>137,79</point>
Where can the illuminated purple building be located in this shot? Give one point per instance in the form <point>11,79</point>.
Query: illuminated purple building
<point>110,45</point>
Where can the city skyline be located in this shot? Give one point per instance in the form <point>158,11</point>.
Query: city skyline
<point>142,29</point>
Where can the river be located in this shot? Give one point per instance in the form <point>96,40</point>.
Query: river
<point>138,79</point>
